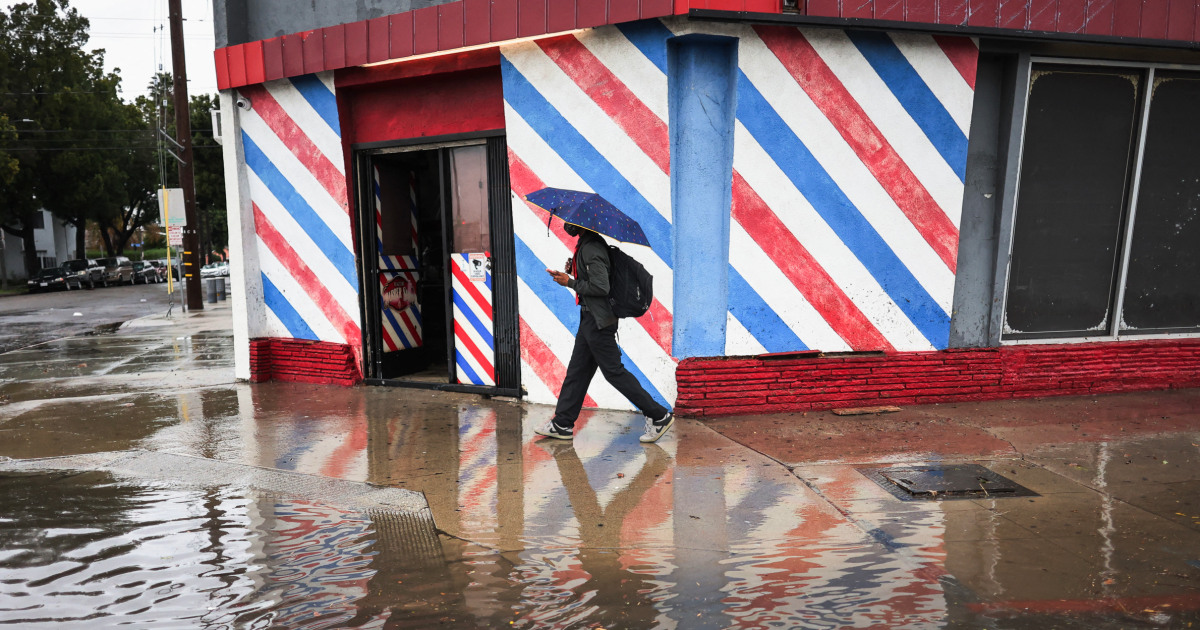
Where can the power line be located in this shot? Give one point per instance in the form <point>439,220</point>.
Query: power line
<point>129,147</point>
<point>51,93</point>
<point>141,36</point>
<point>145,19</point>
<point>25,131</point>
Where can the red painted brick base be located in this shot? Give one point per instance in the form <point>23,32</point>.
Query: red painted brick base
<point>302,361</point>
<point>804,381</point>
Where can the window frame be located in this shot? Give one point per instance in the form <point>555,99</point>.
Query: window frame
<point>1129,217</point>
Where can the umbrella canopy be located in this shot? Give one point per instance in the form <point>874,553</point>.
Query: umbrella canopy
<point>590,211</point>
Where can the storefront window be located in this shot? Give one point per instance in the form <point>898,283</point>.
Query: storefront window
<point>1163,286</point>
<point>1073,183</point>
<point>469,199</point>
<point>1076,212</point>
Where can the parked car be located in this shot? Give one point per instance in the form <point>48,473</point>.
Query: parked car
<point>162,266</point>
<point>145,272</point>
<point>117,270</point>
<point>215,270</point>
<point>52,279</point>
<point>84,271</point>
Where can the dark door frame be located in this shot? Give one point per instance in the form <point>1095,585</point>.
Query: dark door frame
<point>506,330</point>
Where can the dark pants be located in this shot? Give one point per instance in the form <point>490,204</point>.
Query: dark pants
<point>597,348</point>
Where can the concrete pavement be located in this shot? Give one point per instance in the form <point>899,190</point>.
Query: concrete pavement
<point>737,522</point>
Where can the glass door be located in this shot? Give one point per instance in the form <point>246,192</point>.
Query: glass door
<point>471,266</point>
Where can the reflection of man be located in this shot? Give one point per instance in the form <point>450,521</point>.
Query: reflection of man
<point>619,594</point>
<point>596,344</point>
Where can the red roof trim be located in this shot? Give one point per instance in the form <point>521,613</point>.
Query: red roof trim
<point>440,28</point>
<point>452,26</point>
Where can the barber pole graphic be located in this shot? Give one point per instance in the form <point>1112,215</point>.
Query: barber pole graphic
<point>401,320</point>
<point>314,560</point>
<point>297,187</point>
<point>474,348</point>
<point>847,184</point>
<point>577,117</point>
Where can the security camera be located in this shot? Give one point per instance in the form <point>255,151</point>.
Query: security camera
<point>243,103</point>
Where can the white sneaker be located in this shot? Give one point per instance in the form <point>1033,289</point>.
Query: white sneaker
<point>657,428</point>
<point>552,430</point>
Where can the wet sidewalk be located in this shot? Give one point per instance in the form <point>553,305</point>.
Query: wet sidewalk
<point>203,502</point>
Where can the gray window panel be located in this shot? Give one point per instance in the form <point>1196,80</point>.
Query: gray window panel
<point>1079,136</point>
<point>1163,282</point>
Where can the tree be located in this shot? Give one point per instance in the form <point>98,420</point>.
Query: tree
<point>130,200</point>
<point>8,164</point>
<point>106,145</point>
<point>73,135</point>
<point>43,70</point>
<point>208,170</point>
<point>209,174</point>
<point>70,145</point>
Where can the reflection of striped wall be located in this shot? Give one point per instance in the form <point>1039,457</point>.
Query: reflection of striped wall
<point>293,151</point>
<point>849,157</point>
<point>401,327</point>
<point>477,467</point>
<point>395,262</point>
<point>474,347</point>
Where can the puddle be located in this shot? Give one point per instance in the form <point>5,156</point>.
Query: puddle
<point>696,531</point>
<point>90,548</point>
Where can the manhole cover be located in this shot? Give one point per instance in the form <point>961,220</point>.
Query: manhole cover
<point>958,481</point>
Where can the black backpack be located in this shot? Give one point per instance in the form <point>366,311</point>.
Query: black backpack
<point>630,286</point>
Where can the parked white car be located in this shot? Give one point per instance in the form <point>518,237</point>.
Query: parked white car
<point>215,270</point>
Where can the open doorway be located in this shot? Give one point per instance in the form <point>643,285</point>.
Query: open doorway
<point>439,296</point>
<point>410,249</point>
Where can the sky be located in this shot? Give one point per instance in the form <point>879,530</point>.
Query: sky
<point>136,38</point>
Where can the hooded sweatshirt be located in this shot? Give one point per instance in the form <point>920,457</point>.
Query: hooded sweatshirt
<point>591,277</point>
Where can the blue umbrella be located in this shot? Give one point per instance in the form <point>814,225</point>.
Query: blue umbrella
<point>590,211</point>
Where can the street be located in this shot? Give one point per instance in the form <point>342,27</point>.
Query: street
<point>36,317</point>
<point>141,484</point>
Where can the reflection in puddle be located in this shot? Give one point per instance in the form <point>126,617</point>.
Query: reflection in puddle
<point>89,548</point>
<point>692,532</point>
<point>606,532</point>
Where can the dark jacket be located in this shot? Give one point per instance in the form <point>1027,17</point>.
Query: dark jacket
<point>591,278</point>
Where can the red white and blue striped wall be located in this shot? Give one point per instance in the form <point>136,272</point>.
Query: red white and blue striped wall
<point>846,181</point>
<point>292,147</point>
<point>835,201</point>
<point>580,113</point>
<point>474,345</point>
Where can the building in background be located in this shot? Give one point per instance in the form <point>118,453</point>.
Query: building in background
<point>55,242</point>
<point>847,203</point>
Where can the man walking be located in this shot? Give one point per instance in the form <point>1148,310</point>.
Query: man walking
<point>596,344</point>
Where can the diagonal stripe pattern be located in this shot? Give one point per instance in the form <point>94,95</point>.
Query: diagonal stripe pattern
<point>297,187</point>
<point>474,346</point>
<point>849,158</point>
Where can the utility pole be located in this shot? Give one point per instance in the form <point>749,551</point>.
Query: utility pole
<point>183,132</point>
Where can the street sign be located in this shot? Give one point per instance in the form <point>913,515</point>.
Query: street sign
<point>175,208</point>
<point>175,235</point>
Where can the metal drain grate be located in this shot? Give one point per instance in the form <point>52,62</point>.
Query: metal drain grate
<point>937,482</point>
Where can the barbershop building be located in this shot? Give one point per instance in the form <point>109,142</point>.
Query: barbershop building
<point>847,203</point>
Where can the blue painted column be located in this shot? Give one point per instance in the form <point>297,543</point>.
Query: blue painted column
<point>702,87</point>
